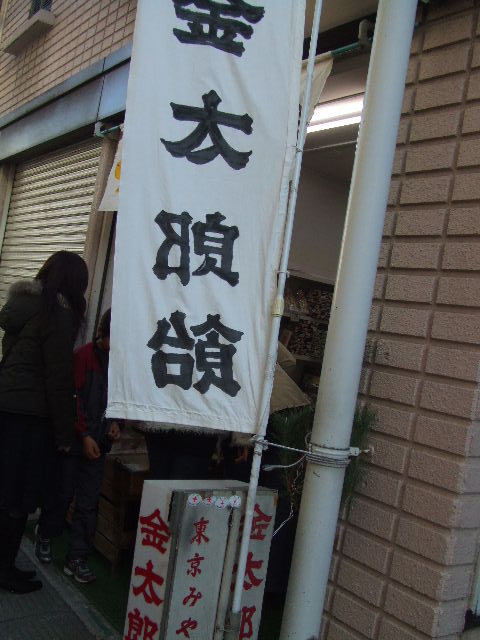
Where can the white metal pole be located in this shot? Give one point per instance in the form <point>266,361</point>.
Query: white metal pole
<point>349,319</point>
<point>277,314</point>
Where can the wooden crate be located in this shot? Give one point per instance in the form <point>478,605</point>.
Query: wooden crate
<point>123,476</point>
<point>116,534</point>
<point>108,550</point>
<point>122,516</point>
<point>119,504</point>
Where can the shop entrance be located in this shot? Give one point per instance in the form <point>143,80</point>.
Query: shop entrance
<point>317,235</point>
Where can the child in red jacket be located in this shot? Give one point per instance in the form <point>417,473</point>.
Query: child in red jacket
<point>82,469</point>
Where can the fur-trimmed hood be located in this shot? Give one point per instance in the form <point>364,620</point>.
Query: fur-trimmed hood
<point>24,301</point>
<point>24,287</point>
<point>36,376</point>
<point>34,288</point>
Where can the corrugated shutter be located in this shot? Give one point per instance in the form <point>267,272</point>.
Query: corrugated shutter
<point>49,209</point>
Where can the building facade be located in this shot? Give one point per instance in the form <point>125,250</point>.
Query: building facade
<point>404,566</point>
<point>63,67</point>
<point>405,559</point>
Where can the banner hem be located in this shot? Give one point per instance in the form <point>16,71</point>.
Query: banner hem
<point>173,418</point>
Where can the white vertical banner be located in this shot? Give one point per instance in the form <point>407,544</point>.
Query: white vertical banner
<point>209,141</point>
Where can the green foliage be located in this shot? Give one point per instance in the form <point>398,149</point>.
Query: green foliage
<point>292,428</point>
<point>363,420</point>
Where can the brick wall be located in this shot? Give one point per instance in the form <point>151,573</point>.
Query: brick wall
<point>404,557</point>
<point>84,31</point>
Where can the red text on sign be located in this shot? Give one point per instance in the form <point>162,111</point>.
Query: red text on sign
<point>140,628</point>
<point>147,588</point>
<point>155,531</point>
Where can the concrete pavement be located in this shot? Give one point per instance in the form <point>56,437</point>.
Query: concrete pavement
<point>57,612</point>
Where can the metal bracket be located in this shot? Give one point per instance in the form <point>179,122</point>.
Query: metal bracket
<point>278,307</point>
<point>107,130</point>
<point>330,457</point>
<point>365,27</point>
<point>327,456</point>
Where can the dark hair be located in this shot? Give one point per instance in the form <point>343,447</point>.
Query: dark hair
<point>65,273</point>
<point>104,325</point>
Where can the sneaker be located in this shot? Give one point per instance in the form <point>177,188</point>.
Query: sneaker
<point>80,570</point>
<point>43,547</point>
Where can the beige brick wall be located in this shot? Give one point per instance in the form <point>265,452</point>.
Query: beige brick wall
<point>403,563</point>
<point>84,31</point>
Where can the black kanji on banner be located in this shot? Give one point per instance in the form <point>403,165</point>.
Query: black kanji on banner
<point>211,355</point>
<point>209,119</point>
<point>215,239</point>
<point>161,360</point>
<point>215,24</point>
<point>161,267</point>
<point>212,240</point>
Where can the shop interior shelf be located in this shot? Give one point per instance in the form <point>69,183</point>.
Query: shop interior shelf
<point>294,316</point>
<point>307,358</point>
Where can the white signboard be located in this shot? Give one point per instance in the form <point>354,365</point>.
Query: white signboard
<point>209,138</point>
<point>256,567</point>
<point>180,559</point>
<point>149,573</point>
<point>202,538</point>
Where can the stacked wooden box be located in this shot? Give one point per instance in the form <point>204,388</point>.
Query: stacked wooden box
<point>120,504</point>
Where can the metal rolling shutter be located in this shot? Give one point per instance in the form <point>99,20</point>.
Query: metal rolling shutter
<point>49,209</point>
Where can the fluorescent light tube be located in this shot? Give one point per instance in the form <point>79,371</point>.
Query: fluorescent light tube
<point>337,113</point>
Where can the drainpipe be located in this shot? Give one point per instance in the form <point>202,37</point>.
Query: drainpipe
<point>349,318</point>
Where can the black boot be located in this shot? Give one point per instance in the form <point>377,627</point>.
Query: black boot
<point>11,578</point>
<point>26,574</point>
<point>11,581</point>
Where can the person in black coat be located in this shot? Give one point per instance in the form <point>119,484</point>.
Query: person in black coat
<point>40,319</point>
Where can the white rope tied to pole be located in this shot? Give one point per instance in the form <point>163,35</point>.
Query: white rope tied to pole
<point>314,453</point>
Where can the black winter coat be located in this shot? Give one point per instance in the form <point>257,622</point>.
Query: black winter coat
<point>36,372</point>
